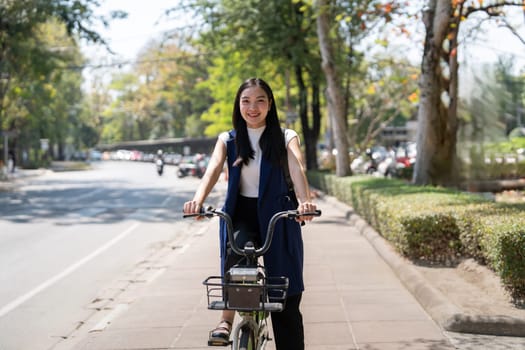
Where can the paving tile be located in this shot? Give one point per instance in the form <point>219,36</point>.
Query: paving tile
<point>395,331</point>
<point>411,345</point>
<point>327,333</point>
<point>323,313</point>
<point>131,339</point>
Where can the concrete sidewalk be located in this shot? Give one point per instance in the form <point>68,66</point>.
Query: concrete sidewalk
<point>8,181</point>
<point>353,299</point>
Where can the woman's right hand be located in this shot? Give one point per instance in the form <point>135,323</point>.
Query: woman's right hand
<point>192,207</point>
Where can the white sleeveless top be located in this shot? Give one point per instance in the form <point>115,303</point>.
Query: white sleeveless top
<point>250,173</point>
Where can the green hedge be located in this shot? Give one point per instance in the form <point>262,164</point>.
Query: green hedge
<point>438,225</point>
<point>501,238</point>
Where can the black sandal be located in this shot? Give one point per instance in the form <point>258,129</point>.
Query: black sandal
<point>220,336</point>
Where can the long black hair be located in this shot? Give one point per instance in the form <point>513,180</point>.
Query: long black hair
<point>272,140</point>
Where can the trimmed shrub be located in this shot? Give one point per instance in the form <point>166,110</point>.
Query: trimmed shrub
<point>433,237</point>
<point>503,243</point>
<point>438,225</point>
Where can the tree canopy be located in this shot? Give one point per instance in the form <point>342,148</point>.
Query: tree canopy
<point>314,54</point>
<point>39,94</point>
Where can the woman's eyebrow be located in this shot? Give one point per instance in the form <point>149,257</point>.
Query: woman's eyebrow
<point>256,97</point>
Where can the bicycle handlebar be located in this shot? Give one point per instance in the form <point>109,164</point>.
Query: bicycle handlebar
<point>289,214</point>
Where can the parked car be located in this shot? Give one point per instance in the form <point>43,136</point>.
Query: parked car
<point>173,158</point>
<point>95,155</point>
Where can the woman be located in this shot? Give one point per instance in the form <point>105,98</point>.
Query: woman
<point>257,150</point>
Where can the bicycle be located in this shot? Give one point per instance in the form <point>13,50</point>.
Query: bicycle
<point>246,288</point>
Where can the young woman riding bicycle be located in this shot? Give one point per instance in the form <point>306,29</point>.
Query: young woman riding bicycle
<point>257,151</point>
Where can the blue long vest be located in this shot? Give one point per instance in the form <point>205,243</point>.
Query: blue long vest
<point>285,256</point>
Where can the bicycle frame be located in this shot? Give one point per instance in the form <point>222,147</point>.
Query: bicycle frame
<point>246,288</point>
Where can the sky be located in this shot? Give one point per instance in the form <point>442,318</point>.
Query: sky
<point>144,22</point>
<point>127,37</point>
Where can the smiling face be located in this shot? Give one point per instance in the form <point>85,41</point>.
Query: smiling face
<point>254,105</point>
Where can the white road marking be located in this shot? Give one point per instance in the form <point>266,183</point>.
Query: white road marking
<point>46,284</point>
<point>165,202</point>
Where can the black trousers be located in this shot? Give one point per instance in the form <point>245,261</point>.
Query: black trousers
<point>287,325</point>
<point>245,228</point>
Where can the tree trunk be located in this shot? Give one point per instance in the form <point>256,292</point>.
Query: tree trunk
<point>437,121</point>
<point>336,102</point>
<point>310,134</point>
<point>313,132</point>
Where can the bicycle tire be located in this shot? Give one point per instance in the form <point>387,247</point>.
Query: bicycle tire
<point>247,339</point>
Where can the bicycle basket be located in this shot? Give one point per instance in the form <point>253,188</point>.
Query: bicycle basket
<point>268,294</point>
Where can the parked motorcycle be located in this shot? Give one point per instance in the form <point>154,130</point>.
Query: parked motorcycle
<point>190,169</point>
<point>195,167</point>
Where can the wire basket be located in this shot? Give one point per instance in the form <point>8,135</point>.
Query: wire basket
<point>268,294</point>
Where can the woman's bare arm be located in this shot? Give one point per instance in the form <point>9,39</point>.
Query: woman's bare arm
<point>210,178</point>
<point>297,173</point>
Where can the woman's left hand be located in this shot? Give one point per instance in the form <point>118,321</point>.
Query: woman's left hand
<point>306,207</point>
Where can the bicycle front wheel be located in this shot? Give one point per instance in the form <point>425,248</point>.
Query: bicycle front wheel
<point>247,340</point>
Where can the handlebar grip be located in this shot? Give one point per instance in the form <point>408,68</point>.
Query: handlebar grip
<point>295,213</point>
<point>317,212</point>
<point>185,216</point>
<point>204,212</point>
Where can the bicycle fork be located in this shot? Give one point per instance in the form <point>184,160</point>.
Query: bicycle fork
<point>249,324</point>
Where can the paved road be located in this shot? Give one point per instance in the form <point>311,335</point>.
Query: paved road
<point>72,241</point>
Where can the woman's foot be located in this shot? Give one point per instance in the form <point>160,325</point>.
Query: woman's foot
<point>220,336</point>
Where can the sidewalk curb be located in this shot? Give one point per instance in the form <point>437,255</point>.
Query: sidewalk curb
<point>445,313</point>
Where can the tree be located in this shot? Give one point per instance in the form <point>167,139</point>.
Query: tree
<point>385,93</point>
<point>96,100</point>
<point>481,111</point>
<point>158,97</point>
<point>437,162</point>
<point>341,26</point>
<point>336,101</point>
<point>46,106</point>
<point>19,23</point>
<point>281,33</point>
<point>514,86</point>
<point>33,70</point>
<point>224,75</point>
